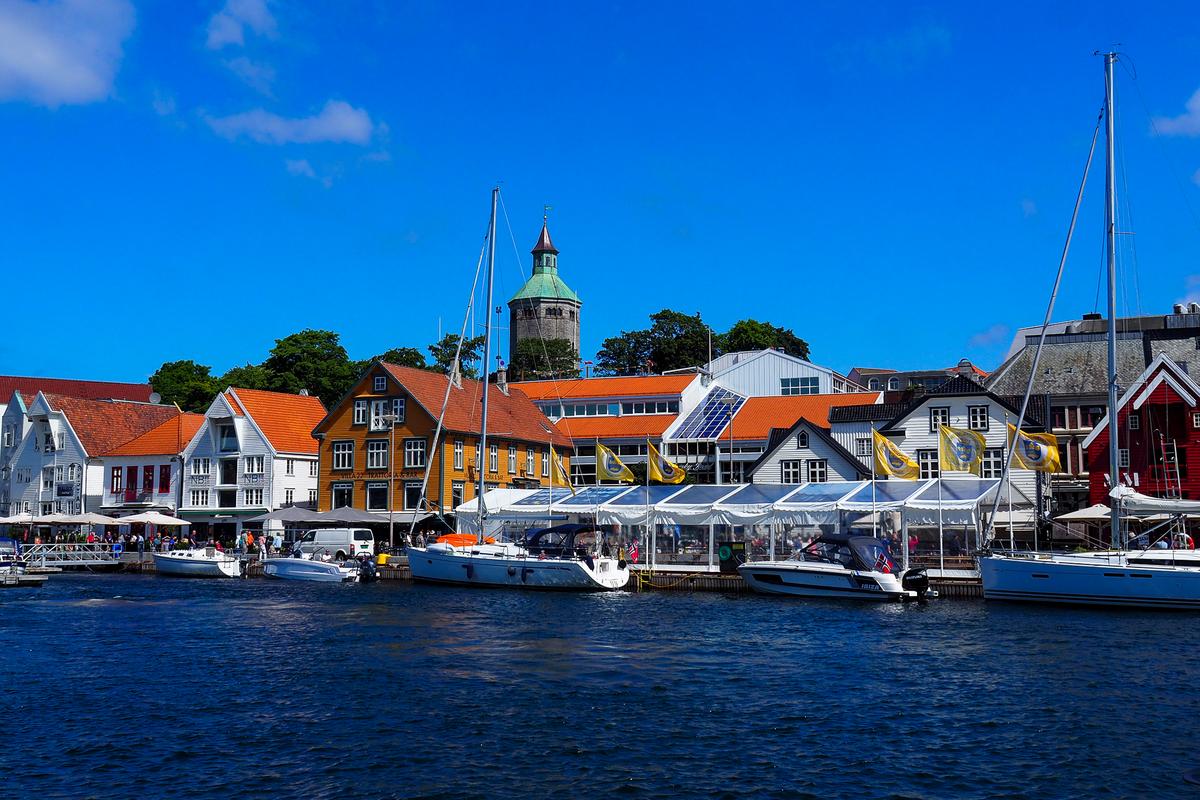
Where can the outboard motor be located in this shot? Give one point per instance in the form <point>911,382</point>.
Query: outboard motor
<point>916,580</point>
<point>367,571</point>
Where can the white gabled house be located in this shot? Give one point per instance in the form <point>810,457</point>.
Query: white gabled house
<point>773,373</point>
<point>253,453</point>
<point>806,453</point>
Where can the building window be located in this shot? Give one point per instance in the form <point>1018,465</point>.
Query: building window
<point>412,496</point>
<point>201,466</point>
<point>862,448</point>
<point>1092,416</point>
<point>289,496</point>
<point>360,412</point>
<point>379,410</point>
<point>377,454</point>
<point>377,497</point>
<point>1135,422</point>
<point>1123,458</point>
<point>545,463</point>
<point>938,417</point>
<point>992,465</point>
<point>312,496</point>
<point>200,498</point>
<point>48,477</point>
<point>802,439</point>
<point>313,466</point>
<point>343,455</point>
<point>512,459</point>
<point>977,418</point>
<point>458,454</point>
<point>456,495</point>
<point>117,480</point>
<point>789,471</point>
<point>794,386</point>
<point>62,437</point>
<point>399,408</point>
<point>493,458</point>
<point>1058,417</point>
<point>289,466</point>
<point>227,438</point>
<point>529,456</point>
<point>414,453</point>
<point>164,477</point>
<point>818,470</point>
<point>380,383</point>
<point>343,495</point>
<point>8,435</point>
<point>893,384</point>
<point>252,497</point>
<point>927,460</point>
<point>254,465</point>
<point>1196,420</point>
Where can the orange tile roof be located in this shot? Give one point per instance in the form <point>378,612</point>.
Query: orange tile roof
<point>759,415</point>
<point>235,404</point>
<point>287,420</point>
<point>632,386</point>
<point>510,415</point>
<point>91,390</point>
<point>168,438</point>
<point>104,425</point>
<point>629,427</point>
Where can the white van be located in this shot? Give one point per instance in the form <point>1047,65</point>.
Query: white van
<point>340,543</point>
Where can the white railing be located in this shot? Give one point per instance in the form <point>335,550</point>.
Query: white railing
<point>61,555</point>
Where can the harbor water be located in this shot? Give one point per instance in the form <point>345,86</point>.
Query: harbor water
<point>146,687</point>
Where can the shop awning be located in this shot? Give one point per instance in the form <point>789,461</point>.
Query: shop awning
<point>635,506</point>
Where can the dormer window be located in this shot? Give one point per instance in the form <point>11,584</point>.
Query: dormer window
<point>226,438</point>
<point>380,383</point>
<point>802,439</point>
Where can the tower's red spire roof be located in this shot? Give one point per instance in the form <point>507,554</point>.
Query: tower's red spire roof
<point>544,245</point>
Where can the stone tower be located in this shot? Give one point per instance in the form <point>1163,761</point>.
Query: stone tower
<point>545,307</point>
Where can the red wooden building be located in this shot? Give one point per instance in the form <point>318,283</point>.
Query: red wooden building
<point>1158,443</point>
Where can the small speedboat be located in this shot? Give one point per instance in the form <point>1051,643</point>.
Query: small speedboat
<point>199,562</point>
<point>838,566</point>
<point>308,569</point>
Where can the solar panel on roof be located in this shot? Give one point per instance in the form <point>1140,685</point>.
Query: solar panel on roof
<point>544,497</point>
<point>594,495</point>
<point>709,418</point>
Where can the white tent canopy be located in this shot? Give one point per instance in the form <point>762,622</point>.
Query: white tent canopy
<point>1096,513</point>
<point>154,518</point>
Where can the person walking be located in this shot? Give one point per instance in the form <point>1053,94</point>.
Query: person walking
<point>141,546</point>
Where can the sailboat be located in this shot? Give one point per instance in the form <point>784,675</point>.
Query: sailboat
<point>566,558</point>
<point>1117,577</point>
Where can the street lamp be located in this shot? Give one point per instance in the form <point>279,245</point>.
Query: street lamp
<point>391,420</point>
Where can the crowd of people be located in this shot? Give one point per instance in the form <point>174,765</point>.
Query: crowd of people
<point>262,545</point>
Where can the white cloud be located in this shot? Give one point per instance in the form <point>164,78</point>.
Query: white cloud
<point>1196,177</point>
<point>299,167</point>
<point>64,52</point>
<point>899,51</point>
<point>257,76</point>
<point>1028,207</point>
<point>163,104</point>
<point>1186,124</point>
<point>228,26</point>
<point>337,122</point>
<point>992,336</point>
<point>1192,290</point>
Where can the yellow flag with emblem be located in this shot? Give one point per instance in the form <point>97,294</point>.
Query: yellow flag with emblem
<point>960,450</point>
<point>891,460</point>
<point>558,473</point>
<point>611,468</point>
<point>1037,451</point>
<point>660,469</point>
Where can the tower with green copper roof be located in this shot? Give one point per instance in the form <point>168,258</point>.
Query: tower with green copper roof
<point>545,307</point>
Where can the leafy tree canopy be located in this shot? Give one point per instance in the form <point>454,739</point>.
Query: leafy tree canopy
<point>247,376</point>
<point>314,360</point>
<point>404,357</point>
<point>750,334</point>
<point>443,355</point>
<point>186,383</point>
<point>626,354</point>
<point>532,361</point>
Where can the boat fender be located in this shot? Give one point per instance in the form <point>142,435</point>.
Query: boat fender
<point>512,571</point>
<point>622,564</point>
<point>525,573</point>
<point>470,568</point>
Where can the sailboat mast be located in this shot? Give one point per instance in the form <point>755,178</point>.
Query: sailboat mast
<point>1110,244</point>
<point>487,359</point>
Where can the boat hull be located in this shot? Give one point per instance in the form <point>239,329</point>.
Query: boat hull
<point>302,569</point>
<point>496,567</point>
<point>1089,581</point>
<point>199,563</point>
<point>819,580</point>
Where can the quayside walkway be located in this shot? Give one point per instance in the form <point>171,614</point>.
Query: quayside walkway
<point>67,556</point>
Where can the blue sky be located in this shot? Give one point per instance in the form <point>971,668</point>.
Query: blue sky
<point>892,181</point>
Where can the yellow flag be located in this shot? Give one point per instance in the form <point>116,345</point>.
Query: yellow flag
<point>960,450</point>
<point>558,473</point>
<point>661,470</point>
<point>1037,451</point>
<point>611,468</point>
<point>891,460</point>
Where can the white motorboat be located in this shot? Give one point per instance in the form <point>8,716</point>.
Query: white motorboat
<point>308,569</point>
<point>564,557</point>
<point>199,562</point>
<point>838,566</point>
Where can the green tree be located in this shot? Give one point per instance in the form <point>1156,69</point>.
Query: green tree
<point>404,357</point>
<point>443,355</point>
<point>626,354</point>
<point>532,361</point>
<point>678,341</point>
<point>185,382</point>
<point>750,334</point>
<point>247,376</point>
<point>314,360</point>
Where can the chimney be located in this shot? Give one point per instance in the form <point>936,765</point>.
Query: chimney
<point>965,369</point>
<point>304,392</point>
<point>502,378</point>
<point>1178,308</point>
<point>1194,308</point>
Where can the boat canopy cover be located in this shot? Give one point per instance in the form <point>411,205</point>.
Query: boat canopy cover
<point>1137,503</point>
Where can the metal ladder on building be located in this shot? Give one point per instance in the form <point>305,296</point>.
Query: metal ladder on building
<point>1173,487</point>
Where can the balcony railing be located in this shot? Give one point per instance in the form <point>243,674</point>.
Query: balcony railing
<point>137,496</point>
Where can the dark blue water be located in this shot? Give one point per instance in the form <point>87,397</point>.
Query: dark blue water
<point>131,686</point>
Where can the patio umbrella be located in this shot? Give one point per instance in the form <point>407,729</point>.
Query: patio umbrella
<point>348,514</point>
<point>154,518</point>
<point>1096,513</point>
<point>289,514</point>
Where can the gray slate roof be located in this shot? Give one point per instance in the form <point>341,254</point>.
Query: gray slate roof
<point>1069,368</point>
<point>870,413</point>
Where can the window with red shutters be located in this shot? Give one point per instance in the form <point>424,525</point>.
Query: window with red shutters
<point>164,478</point>
<point>148,478</point>
<point>131,475</point>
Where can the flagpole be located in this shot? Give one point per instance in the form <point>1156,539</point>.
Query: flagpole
<point>1012,541</point>
<point>874,513</point>
<point>941,536</point>
<point>647,501</point>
